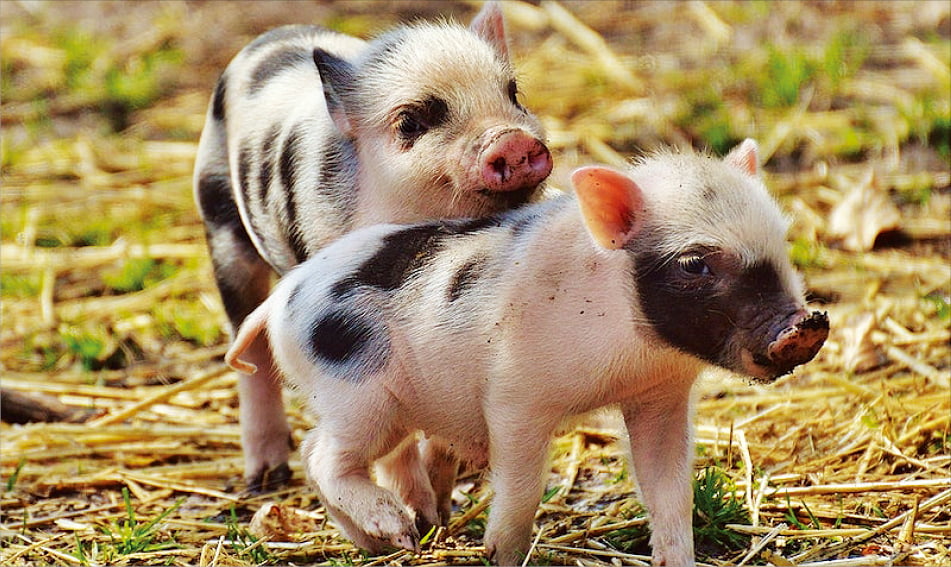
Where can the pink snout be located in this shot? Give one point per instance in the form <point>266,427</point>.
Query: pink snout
<point>513,160</point>
<point>799,341</point>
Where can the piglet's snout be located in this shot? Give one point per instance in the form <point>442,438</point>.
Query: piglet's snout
<point>513,160</point>
<point>799,341</point>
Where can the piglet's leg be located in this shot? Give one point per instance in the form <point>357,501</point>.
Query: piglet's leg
<point>404,473</point>
<point>443,466</point>
<point>337,460</point>
<point>265,434</point>
<point>517,453</point>
<point>661,448</point>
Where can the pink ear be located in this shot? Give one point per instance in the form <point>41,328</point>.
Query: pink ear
<point>489,25</point>
<point>611,204</point>
<point>745,157</point>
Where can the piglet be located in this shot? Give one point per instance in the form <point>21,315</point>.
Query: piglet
<point>487,334</point>
<point>311,133</point>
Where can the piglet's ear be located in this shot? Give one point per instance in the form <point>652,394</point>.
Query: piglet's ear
<point>490,26</point>
<point>611,205</point>
<point>745,157</point>
<point>336,77</point>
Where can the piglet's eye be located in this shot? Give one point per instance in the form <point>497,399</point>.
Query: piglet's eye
<point>694,265</point>
<point>409,126</point>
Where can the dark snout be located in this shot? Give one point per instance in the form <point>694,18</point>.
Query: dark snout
<point>797,342</point>
<point>514,160</point>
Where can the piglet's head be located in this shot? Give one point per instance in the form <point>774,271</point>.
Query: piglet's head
<point>711,272</point>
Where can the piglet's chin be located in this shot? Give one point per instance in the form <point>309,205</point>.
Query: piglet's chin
<point>762,373</point>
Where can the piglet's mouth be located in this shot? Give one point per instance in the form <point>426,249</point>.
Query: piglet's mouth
<point>796,344</point>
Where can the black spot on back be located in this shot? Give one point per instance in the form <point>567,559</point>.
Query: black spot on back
<point>342,338</point>
<point>218,99</point>
<point>465,276</point>
<point>404,252</point>
<point>278,62</point>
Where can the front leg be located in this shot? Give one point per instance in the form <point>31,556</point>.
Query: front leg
<point>518,449</point>
<point>661,435</point>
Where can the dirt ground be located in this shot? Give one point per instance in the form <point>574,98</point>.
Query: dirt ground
<point>112,334</point>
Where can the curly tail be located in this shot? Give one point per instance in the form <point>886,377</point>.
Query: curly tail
<point>250,329</point>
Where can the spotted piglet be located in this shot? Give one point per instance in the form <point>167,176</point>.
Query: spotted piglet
<point>488,333</point>
<point>311,133</point>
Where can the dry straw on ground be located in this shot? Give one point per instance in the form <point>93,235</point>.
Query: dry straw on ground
<point>110,318</point>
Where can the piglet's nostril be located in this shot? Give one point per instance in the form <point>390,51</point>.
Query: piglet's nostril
<point>501,168</point>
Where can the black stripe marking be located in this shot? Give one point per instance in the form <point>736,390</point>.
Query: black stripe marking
<point>277,62</point>
<point>282,34</point>
<point>218,99</point>
<point>244,169</point>
<point>465,277</point>
<point>288,167</point>
<point>267,165</point>
<point>338,173</point>
<point>216,200</point>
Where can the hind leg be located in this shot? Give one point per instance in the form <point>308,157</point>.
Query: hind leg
<point>244,281</point>
<point>404,473</point>
<point>443,467</point>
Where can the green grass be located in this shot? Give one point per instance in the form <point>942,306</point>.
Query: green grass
<point>86,346</point>
<point>807,253</point>
<point>135,536</point>
<point>20,285</point>
<point>189,321</point>
<point>12,481</point>
<point>137,274</point>
<point>245,544</point>
<point>714,506</point>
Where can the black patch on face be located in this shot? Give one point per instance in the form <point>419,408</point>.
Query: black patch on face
<point>218,99</point>
<point>288,167</point>
<point>465,276</point>
<point>702,315</point>
<point>416,119</point>
<point>278,62</point>
<point>342,338</point>
<point>512,92</point>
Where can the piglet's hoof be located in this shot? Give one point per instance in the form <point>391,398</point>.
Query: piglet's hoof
<point>270,479</point>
